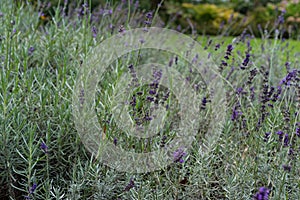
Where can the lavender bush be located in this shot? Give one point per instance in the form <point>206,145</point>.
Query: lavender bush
<point>42,157</point>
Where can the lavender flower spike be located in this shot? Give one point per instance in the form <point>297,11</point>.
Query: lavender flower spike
<point>44,147</point>
<point>262,194</point>
<point>178,155</point>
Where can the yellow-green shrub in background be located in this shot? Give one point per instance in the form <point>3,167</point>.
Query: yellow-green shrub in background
<point>209,16</point>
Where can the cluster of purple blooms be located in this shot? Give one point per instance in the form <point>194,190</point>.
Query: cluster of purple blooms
<point>44,147</point>
<point>286,168</point>
<point>284,137</point>
<point>235,113</point>
<point>31,50</point>
<point>262,194</point>
<point>226,57</point>
<point>292,75</point>
<point>31,190</point>
<point>130,185</point>
<point>83,10</point>
<point>149,16</point>
<point>246,60</point>
<point>298,129</point>
<point>178,155</point>
<point>228,51</point>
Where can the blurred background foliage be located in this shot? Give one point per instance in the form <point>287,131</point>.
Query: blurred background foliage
<point>209,16</point>
<point>213,16</point>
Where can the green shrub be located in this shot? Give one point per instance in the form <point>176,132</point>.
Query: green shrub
<point>209,17</point>
<point>293,10</point>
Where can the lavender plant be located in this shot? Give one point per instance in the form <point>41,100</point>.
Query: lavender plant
<point>42,156</point>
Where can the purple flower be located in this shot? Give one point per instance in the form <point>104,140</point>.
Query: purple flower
<point>244,20</point>
<point>44,147</point>
<point>33,188</point>
<point>195,58</point>
<point>147,22</point>
<point>259,27</point>
<point>286,140</point>
<point>280,134</point>
<point>1,14</point>
<point>30,50</point>
<point>253,73</point>
<point>298,132</point>
<point>221,25</point>
<point>81,97</point>
<point>152,92</point>
<point>224,63</point>
<point>145,29</point>
<point>217,46</point>
<point>229,48</point>
<point>239,90</point>
<point>226,57</point>
<point>130,185</point>
<point>289,77</point>
<point>133,101</point>
<point>85,5</point>
<point>153,85</point>
<point>231,18</point>
<point>262,194</point>
<point>94,31</point>
<point>286,168</point>
<point>149,15</point>
<point>41,14</point>
<point>208,56</point>
<point>252,96</point>
<point>150,99</point>
<point>136,4</point>
<point>272,89</point>
<point>291,152</point>
<point>157,75</point>
<point>248,44</point>
<point>178,155</point>
<point>147,118</point>
<point>209,42</point>
<point>276,95</point>
<point>176,60</point>
<point>246,60</point>
<point>280,19</point>
<point>228,51</point>
<point>204,102</point>
<point>142,41</point>
<point>82,10</point>
<point>235,114</point>
<point>122,29</point>
<point>287,65</point>
<point>115,141</point>
<point>262,47</point>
